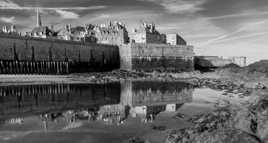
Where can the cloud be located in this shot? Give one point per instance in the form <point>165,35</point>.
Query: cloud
<point>246,30</point>
<point>132,18</point>
<point>238,15</point>
<point>179,6</point>
<point>64,12</point>
<point>9,5</point>
<point>8,19</point>
<point>67,14</point>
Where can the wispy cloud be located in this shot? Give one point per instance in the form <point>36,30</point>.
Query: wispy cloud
<point>8,4</point>
<point>64,12</point>
<point>252,35</point>
<point>246,30</point>
<point>179,6</point>
<point>8,19</point>
<point>67,14</point>
<point>132,18</point>
<point>237,15</point>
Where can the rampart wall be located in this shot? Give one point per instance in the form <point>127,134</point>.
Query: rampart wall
<point>211,61</point>
<point>89,56</point>
<point>162,57</point>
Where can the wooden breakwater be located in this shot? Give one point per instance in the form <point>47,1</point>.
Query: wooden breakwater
<point>34,67</point>
<point>28,55</point>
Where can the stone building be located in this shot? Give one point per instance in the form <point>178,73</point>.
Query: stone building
<point>78,33</point>
<point>147,33</point>
<point>12,30</point>
<point>175,39</point>
<point>41,31</point>
<point>113,33</point>
<point>241,61</point>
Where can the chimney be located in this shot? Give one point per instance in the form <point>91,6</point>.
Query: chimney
<point>12,28</point>
<point>38,18</point>
<point>69,27</point>
<point>52,27</point>
<point>4,29</point>
<point>66,27</point>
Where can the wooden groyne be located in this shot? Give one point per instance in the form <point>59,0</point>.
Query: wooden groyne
<point>34,67</point>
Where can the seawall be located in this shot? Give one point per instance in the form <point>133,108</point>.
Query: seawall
<point>78,55</point>
<point>157,57</point>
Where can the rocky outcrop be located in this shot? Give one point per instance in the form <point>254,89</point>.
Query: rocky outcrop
<point>260,110</point>
<point>215,127</point>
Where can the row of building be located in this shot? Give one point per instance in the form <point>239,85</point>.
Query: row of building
<point>114,33</point>
<point>144,49</point>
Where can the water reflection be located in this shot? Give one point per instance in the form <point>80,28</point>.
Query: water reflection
<point>66,106</point>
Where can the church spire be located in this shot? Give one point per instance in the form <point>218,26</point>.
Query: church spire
<point>38,18</point>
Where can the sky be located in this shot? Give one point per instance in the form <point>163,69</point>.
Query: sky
<point>214,27</point>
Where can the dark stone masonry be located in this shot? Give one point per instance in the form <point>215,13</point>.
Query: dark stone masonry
<point>52,56</point>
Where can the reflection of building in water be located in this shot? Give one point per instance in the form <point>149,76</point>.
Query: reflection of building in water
<point>66,105</point>
<point>42,98</point>
<point>113,114</point>
<point>147,99</point>
<point>155,93</point>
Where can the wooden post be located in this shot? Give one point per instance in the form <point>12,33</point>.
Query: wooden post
<point>67,67</point>
<point>43,67</point>
<point>54,67</point>
<point>1,67</point>
<point>19,67</point>
<point>26,67</point>
<point>29,67</point>
<point>10,67</point>
<point>57,68</point>
<point>50,66</point>
<point>23,67</point>
<point>38,67</point>
<point>47,67</point>
<point>16,67</point>
<point>34,67</point>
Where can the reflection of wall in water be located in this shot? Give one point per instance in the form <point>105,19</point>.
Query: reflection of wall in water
<point>155,93</point>
<point>151,98</point>
<point>42,98</point>
<point>146,98</point>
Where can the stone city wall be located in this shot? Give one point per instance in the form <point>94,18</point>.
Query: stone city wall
<point>162,57</point>
<point>215,61</point>
<point>89,56</point>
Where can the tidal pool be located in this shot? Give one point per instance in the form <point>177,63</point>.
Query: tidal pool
<point>100,113</point>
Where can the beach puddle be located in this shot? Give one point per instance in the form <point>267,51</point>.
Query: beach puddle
<point>100,113</point>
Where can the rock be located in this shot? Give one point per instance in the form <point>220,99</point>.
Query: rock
<point>159,127</point>
<point>214,127</point>
<point>224,136</point>
<point>137,140</point>
<point>179,116</point>
<point>215,136</point>
<point>260,86</point>
<point>260,110</point>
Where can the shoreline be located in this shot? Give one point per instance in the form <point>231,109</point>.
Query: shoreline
<point>245,121</point>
